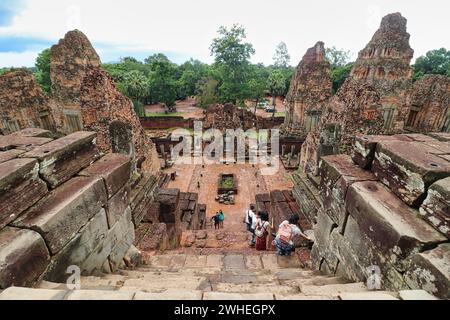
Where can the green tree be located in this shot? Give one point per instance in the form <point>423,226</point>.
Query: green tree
<point>434,62</point>
<point>136,86</point>
<point>340,74</point>
<point>232,55</point>
<point>163,79</point>
<point>43,70</point>
<point>276,84</point>
<point>337,57</point>
<point>258,83</point>
<point>192,72</point>
<point>281,59</point>
<point>4,70</point>
<point>207,92</point>
<point>340,66</point>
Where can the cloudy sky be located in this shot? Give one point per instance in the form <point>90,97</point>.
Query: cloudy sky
<point>185,28</point>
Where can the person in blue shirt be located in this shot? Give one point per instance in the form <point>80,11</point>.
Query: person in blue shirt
<point>221,219</point>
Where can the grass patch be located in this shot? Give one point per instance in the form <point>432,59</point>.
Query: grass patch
<point>280,114</point>
<point>228,183</point>
<point>163,114</point>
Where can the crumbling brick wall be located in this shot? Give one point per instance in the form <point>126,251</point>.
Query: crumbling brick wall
<point>310,90</point>
<point>23,103</point>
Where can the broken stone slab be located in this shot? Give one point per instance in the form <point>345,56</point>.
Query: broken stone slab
<point>364,147</point>
<point>114,168</point>
<point>28,294</point>
<point>232,262</point>
<point>430,271</point>
<point>23,257</point>
<point>10,154</point>
<point>408,170</point>
<point>322,232</point>
<point>225,296</point>
<point>60,215</point>
<point>78,249</point>
<point>371,295</point>
<point>20,142</point>
<point>436,207</point>
<point>419,137</point>
<point>34,132</point>
<point>441,136</point>
<point>61,159</point>
<point>393,227</point>
<point>118,204</point>
<point>337,173</point>
<point>155,238</point>
<point>133,258</point>
<point>20,188</point>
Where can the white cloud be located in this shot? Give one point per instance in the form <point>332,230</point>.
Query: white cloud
<point>17,59</point>
<point>189,26</point>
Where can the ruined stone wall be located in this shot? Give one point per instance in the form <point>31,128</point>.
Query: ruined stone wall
<point>430,104</point>
<point>23,103</point>
<point>71,59</point>
<point>228,116</point>
<point>310,90</point>
<point>108,112</point>
<point>373,99</point>
<point>386,210</point>
<point>61,205</point>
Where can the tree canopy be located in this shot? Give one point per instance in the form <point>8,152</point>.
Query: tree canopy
<point>281,59</point>
<point>43,70</point>
<point>434,62</point>
<point>341,66</point>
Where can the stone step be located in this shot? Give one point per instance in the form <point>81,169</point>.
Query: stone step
<point>172,294</point>
<point>226,296</point>
<point>371,295</point>
<point>314,281</point>
<point>157,284</point>
<point>299,297</point>
<point>333,289</point>
<point>254,288</point>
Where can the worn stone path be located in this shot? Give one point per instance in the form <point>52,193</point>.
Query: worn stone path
<point>211,277</point>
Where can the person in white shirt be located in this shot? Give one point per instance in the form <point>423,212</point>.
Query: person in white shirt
<point>250,221</point>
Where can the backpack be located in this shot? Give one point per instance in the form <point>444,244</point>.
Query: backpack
<point>285,233</point>
<point>261,230</point>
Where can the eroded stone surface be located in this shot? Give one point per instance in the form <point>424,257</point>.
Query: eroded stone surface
<point>59,216</point>
<point>23,257</point>
<point>408,170</point>
<point>430,271</point>
<point>436,207</point>
<point>115,169</point>
<point>61,159</point>
<point>20,188</point>
<point>394,228</point>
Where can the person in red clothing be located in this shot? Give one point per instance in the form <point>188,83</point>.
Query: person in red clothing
<point>262,231</point>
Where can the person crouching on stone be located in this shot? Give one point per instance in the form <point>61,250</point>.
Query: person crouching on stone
<point>284,240</point>
<point>262,230</point>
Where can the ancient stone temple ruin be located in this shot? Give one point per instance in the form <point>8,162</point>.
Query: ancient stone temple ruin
<point>83,188</point>
<point>310,90</point>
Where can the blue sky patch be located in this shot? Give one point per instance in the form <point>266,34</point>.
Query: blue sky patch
<point>8,9</point>
<point>21,44</point>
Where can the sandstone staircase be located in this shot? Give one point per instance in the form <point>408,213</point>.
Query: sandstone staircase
<point>210,277</point>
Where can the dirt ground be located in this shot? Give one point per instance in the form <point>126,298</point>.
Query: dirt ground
<point>188,110</point>
<point>250,183</point>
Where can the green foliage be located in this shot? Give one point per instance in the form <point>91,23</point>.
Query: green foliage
<point>257,83</point>
<point>336,57</point>
<point>340,66</point>
<point>276,84</point>
<point>434,62</point>
<point>43,70</point>
<point>281,59</point>
<point>340,74</point>
<point>4,70</point>
<point>192,72</point>
<point>207,92</point>
<point>232,55</point>
<point>163,79</point>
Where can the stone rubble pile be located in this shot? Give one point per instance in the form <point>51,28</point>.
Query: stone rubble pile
<point>228,198</point>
